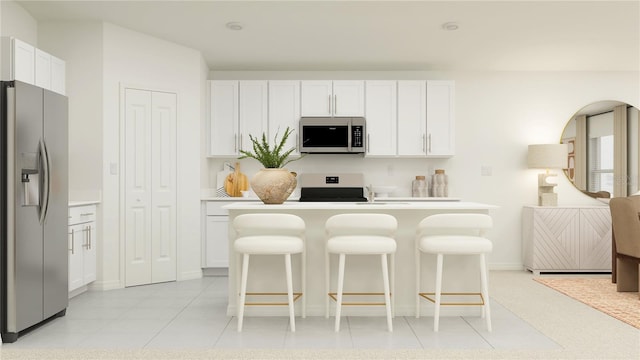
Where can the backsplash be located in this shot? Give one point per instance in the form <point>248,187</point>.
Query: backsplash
<point>392,171</point>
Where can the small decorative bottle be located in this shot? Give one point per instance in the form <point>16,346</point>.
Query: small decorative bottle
<point>440,184</point>
<point>419,187</point>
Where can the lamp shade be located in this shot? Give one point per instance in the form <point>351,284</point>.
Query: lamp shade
<point>547,156</point>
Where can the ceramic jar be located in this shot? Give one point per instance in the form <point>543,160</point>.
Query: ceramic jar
<point>440,184</point>
<point>419,187</point>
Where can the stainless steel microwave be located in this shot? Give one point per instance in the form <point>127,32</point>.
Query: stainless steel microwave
<point>332,135</point>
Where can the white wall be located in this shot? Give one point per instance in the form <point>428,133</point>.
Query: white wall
<point>132,58</point>
<point>497,115</point>
<point>79,44</point>
<point>17,22</point>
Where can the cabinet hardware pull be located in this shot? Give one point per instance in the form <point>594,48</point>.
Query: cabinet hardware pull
<point>89,235</point>
<point>86,214</point>
<point>73,237</point>
<point>329,104</point>
<point>368,142</point>
<point>235,142</point>
<point>429,139</point>
<point>335,104</point>
<point>424,144</point>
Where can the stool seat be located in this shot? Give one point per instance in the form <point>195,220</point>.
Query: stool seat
<point>455,244</point>
<point>269,244</point>
<point>364,245</point>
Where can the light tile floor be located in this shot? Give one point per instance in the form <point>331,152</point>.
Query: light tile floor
<point>191,314</point>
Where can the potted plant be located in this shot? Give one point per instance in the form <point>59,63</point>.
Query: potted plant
<point>274,183</point>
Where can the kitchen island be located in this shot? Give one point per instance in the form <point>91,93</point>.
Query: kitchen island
<point>266,273</point>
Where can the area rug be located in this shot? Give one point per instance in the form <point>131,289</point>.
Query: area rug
<point>600,294</point>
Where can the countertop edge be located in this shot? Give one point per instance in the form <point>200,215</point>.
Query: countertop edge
<point>84,202</point>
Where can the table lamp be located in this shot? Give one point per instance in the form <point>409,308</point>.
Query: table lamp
<point>547,156</point>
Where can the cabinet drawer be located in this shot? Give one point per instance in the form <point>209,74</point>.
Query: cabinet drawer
<point>215,207</point>
<point>81,214</point>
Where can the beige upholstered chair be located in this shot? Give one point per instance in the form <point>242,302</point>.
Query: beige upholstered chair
<point>625,218</point>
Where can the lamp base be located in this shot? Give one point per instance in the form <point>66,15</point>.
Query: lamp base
<point>546,196</point>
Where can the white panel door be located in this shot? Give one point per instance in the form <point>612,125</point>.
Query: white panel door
<point>75,257</point>
<point>163,187</point>
<point>316,98</point>
<point>58,75</point>
<point>217,242</point>
<point>253,112</point>
<point>348,98</point>
<point>412,117</point>
<point>43,69</point>
<point>89,258</point>
<point>138,190</point>
<point>284,111</point>
<point>440,118</point>
<point>150,187</point>
<point>381,112</point>
<point>23,62</point>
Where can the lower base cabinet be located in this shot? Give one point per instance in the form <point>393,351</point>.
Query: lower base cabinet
<point>82,246</point>
<point>566,239</point>
<point>215,247</point>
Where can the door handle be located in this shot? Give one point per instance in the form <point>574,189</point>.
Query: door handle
<point>73,236</point>
<point>46,183</point>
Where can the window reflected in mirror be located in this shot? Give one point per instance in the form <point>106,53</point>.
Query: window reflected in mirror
<point>603,157</point>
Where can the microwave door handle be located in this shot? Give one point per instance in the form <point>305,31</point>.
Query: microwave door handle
<point>349,135</point>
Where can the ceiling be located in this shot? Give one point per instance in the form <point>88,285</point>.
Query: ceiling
<point>381,35</point>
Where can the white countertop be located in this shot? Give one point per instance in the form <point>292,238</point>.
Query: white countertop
<point>380,199</point>
<point>82,203</point>
<point>386,205</point>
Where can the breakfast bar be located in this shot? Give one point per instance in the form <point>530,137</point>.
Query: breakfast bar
<point>460,271</point>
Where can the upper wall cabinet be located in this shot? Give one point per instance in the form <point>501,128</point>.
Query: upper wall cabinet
<point>412,118</point>
<point>23,62</point>
<point>440,118</point>
<point>381,113</point>
<point>332,98</point>
<point>284,110</point>
<point>238,109</point>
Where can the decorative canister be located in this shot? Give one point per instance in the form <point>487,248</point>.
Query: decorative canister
<point>419,187</point>
<point>440,184</point>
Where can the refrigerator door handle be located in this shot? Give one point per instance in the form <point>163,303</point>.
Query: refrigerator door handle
<point>46,183</point>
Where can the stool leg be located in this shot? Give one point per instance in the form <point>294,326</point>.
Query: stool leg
<point>418,271</point>
<point>485,291</point>
<point>339,298</point>
<point>387,297</point>
<point>304,283</point>
<point>243,290</point>
<point>392,280</point>
<point>292,316</point>
<point>327,288</point>
<point>436,314</point>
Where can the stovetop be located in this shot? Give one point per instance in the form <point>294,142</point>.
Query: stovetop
<point>332,187</point>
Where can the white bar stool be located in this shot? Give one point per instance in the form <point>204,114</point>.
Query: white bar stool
<point>270,234</point>
<point>360,234</point>
<point>454,234</point>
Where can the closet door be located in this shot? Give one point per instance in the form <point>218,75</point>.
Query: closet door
<point>150,187</point>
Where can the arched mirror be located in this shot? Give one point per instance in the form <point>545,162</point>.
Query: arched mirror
<point>603,159</point>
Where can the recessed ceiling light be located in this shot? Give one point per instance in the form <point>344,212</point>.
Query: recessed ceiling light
<point>234,25</point>
<point>450,26</point>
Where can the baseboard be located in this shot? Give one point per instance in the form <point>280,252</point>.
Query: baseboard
<point>105,285</point>
<point>215,271</point>
<point>190,275</point>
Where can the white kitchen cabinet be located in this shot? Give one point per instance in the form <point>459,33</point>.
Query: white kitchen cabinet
<point>566,239</point>
<point>18,60</point>
<point>238,109</point>
<point>223,118</point>
<point>82,246</point>
<point>284,110</point>
<point>28,64</point>
<point>412,118</point>
<point>252,113</point>
<point>381,112</point>
<point>342,98</point>
<point>215,253</point>
<point>440,118</point>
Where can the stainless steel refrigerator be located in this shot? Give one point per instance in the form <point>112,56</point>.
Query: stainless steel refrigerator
<point>33,207</point>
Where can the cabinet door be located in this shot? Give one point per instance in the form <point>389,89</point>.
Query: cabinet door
<point>316,98</point>
<point>217,242</point>
<point>412,118</point>
<point>58,75</point>
<point>348,98</point>
<point>595,239</point>
<point>556,238</point>
<point>89,260</point>
<point>284,111</point>
<point>440,118</point>
<point>381,110</point>
<point>76,276</point>
<point>224,118</point>
<point>43,69</point>
<point>23,61</point>
<point>253,112</point>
